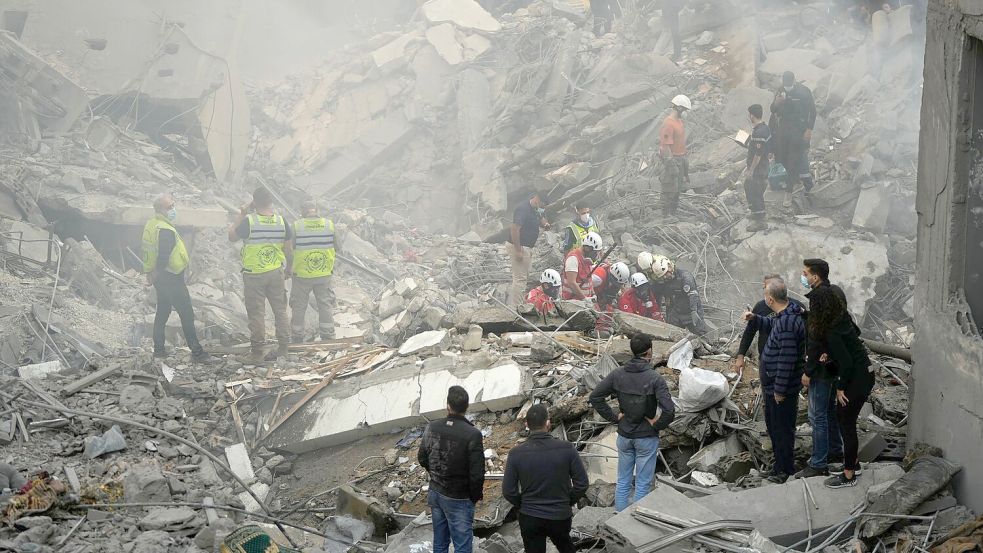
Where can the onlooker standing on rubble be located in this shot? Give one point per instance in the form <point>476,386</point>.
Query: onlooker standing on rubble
<point>677,288</point>
<point>781,371</point>
<point>641,392</point>
<point>578,229</point>
<point>795,111</point>
<point>314,258</point>
<point>761,308</point>
<point>452,452</point>
<point>605,12</point>
<point>672,150</point>
<point>165,259</point>
<point>815,273</point>
<point>527,219</point>
<point>577,266</point>
<point>830,324</point>
<point>266,258</point>
<point>758,148</point>
<point>543,478</point>
<point>670,18</point>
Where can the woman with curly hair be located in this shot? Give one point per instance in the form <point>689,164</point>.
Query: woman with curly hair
<point>830,325</point>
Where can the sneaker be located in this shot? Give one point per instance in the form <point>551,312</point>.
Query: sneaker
<point>778,478</point>
<point>840,481</point>
<point>202,357</point>
<point>837,468</point>
<point>809,472</point>
<point>160,354</point>
<point>255,357</point>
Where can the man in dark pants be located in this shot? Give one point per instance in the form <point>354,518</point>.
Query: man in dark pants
<point>165,259</point>
<point>544,476</point>
<point>605,12</point>
<point>452,453</point>
<point>758,148</point>
<point>670,18</point>
<point>795,111</point>
<point>781,372</point>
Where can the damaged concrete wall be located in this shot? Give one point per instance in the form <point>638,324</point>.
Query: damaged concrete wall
<point>948,351</point>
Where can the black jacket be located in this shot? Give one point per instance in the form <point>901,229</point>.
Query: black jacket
<point>816,345</point>
<point>640,390</point>
<point>544,477</point>
<point>846,350</point>
<point>453,454</point>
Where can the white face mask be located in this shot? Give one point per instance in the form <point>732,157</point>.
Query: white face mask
<point>585,218</point>
<point>787,89</point>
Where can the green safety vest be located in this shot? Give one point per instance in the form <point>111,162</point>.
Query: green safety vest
<point>313,247</point>
<point>579,233</point>
<point>178,261</point>
<point>263,250</point>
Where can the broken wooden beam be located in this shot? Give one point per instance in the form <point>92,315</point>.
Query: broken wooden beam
<point>90,379</point>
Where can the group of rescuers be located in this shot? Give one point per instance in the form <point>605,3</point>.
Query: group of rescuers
<point>273,251</point>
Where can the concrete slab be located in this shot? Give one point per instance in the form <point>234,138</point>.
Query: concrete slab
<point>631,325</point>
<point>466,14</point>
<point>601,457</point>
<point>873,206</point>
<point>712,454</point>
<point>628,534</point>
<point>430,342</point>
<point>393,52</point>
<point>473,107</point>
<point>25,239</point>
<point>735,114</point>
<point>442,38</point>
<point>855,265</point>
<point>396,397</point>
<point>777,510</point>
<point>39,370</point>
<point>238,459</point>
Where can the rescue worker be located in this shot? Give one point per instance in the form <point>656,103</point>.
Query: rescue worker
<point>677,288</point>
<point>314,258</point>
<point>672,150</point>
<point>756,183</point>
<point>577,266</point>
<point>577,230</point>
<point>670,18</point>
<point>644,263</point>
<point>165,259</point>
<point>542,296</point>
<point>794,113</point>
<point>266,259</point>
<point>639,299</point>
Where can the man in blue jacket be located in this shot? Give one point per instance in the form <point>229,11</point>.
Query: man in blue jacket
<point>781,369</point>
<point>641,392</point>
<point>543,478</point>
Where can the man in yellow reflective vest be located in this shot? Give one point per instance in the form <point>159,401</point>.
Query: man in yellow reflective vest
<point>314,257</point>
<point>578,229</point>
<point>165,259</point>
<point>266,256</point>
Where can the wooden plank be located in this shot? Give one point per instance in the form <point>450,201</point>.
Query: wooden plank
<point>46,397</point>
<point>90,379</point>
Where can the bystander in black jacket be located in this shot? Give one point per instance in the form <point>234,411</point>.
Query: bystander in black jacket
<point>816,346</point>
<point>452,452</point>
<point>544,476</point>
<point>641,391</point>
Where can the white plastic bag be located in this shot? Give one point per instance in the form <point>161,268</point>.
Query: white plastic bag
<point>700,389</point>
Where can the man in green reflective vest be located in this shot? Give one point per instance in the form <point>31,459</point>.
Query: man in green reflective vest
<point>314,257</point>
<point>577,230</point>
<point>165,259</point>
<point>266,256</point>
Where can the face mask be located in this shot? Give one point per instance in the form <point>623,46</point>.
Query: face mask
<point>805,282</point>
<point>585,218</point>
<point>552,292</point>
<point>171,214</point>
<point>540,211</point>
<point>787,89</point>
<point>648,304</point>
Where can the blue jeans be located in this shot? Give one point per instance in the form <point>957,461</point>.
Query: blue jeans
<point>826,439</point>
<point>453,519</point>
<point>636,462</point>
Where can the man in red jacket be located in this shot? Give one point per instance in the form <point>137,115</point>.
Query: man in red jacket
<point>577,267</point>
<point>542,296</point>
<point>639,299</point>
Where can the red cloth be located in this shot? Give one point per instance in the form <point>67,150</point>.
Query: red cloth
<point>540,300</point>
<point>629,302</point>
<point>584,267</point>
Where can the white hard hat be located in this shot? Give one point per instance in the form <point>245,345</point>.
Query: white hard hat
<point>638,279</point>
<point>551,277</point>
<point>644,260</point>
<point>682,101</point>
<point>661,266</point>
<point>621,272</point>
<point>593,240</point>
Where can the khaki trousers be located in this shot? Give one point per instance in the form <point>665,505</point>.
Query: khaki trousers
<point>520,274</point>
<point>324,298</point>
<point>259,289</point>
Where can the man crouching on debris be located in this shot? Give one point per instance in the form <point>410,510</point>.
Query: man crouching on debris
<point>641,392</point>
<point>544,476</point>
<point>782,364</point>
<point>165,259</point>
<point>266,253</point>
<point>452,453</point>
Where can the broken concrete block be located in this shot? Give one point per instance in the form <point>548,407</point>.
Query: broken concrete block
<point>871,445</point>
<point>571,174</point>
<point>261,489</point>
<point>601,456</point>
<point>381,401</point>
<point>712,454</point>
<point>630,534</point>
<point>238,458</point>
<point>361,506</point>
<point>443,38</point>
<point>577,314</point>
<point>486,178</point>
<point>433,317</point>
<point>474,46</point>
<point>466,14</point>
<point>390,305</point>
<point>136,398</point>
<point>431,84</point>
<point>393,52</point>
<point>873,206</point>
<point>405,287</point>
<point>168,519</point>
<point>704,479</point>
<point>631,324</point>
<point>144,483</point>
<point>472,341</point>
<point>589,520</point>
<point>39,371</point>
<point>430,342</point>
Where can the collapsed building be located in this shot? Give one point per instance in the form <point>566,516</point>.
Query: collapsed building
<point>420,140</point>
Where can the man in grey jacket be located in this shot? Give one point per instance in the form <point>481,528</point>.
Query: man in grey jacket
<point>641,392</point>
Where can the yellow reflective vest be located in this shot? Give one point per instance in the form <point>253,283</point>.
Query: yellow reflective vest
<point>314,253</point>
<point>178,260</point>
<point>263,249</point>
<point>579,233</point>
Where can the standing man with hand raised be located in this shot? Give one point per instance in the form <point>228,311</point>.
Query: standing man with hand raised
<point>527,219</point>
